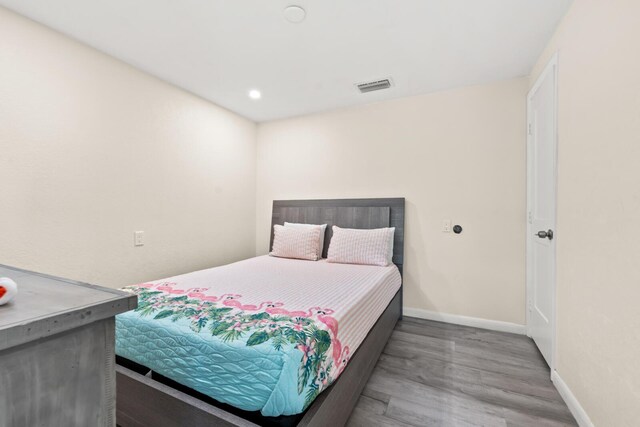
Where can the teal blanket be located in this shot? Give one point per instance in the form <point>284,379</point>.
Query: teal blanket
<point>253,360</point>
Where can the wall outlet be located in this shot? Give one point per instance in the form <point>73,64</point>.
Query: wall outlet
<point>138,238</point>
<point>446,226</point>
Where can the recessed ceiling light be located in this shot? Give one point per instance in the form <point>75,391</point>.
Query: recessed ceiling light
<point>255,94</point>
<point>294,14</point>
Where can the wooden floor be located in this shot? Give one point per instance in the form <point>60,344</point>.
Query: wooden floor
<point>439,374</point>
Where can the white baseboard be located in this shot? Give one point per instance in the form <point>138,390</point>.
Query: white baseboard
<point>476,322</point>
<point>572,403</point>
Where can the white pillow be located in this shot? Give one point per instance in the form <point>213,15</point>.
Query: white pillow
<point>371,247</point>
<point>295,242</point>
<point>323,228</point>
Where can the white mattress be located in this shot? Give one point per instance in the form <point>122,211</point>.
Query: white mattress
<point>354,295</point>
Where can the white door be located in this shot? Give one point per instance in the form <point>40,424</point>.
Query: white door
<point>541,201</point>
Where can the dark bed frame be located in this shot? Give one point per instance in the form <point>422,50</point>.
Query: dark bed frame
<point>145,399</point>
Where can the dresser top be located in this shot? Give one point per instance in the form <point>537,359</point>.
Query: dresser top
<point>46,305</point>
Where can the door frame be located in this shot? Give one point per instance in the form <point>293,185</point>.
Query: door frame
<point>551,67</point>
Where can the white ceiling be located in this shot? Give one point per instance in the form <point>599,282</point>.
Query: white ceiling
<point>220,49</point>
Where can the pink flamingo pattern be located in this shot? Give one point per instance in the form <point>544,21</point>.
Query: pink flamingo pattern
<point>313,332</point>
<point>342,360</point>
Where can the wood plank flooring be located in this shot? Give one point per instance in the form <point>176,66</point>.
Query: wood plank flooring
<point>438,374</point>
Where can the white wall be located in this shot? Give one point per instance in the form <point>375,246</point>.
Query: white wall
<point>598,230</point>
<point>456,155</point>
<point>92,149</point>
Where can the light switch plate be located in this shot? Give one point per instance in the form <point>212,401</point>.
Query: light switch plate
<point>138,238</point>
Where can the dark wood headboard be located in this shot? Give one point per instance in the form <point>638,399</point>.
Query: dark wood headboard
<point>345,213</point>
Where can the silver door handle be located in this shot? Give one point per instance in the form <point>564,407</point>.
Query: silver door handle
<point>545,234</point>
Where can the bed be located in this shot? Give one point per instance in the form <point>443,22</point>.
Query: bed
<point>264,341</point>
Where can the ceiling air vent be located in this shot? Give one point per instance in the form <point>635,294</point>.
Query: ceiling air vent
<point>374,85</point>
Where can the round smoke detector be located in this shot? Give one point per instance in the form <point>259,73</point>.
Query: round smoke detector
<point>294,14</point>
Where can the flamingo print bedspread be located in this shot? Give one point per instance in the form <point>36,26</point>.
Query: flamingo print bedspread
<point>264,334</point>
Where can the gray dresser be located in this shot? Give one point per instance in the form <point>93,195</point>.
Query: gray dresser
<point>57,361</point>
